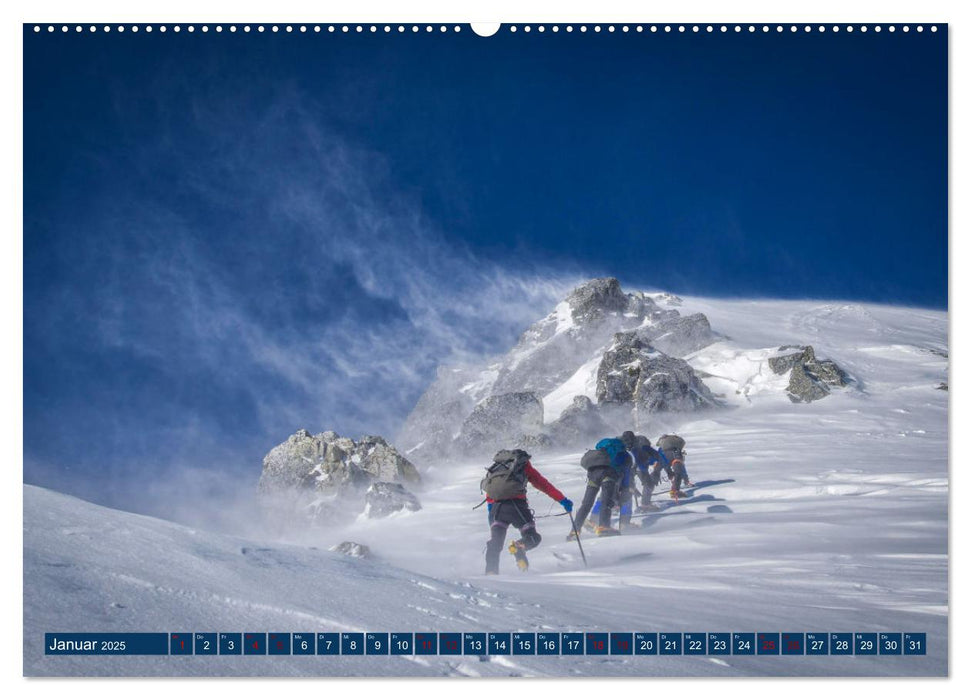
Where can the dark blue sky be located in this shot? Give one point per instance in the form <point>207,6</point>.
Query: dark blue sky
<point>230,236</point>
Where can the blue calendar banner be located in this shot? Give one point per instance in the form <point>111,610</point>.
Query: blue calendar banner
<point>180,643</point>
<point>304,643</point>
<point>523,643</point>
<point>597,643</point>
<point>279,644</point>
<point>377,643</point>
<point>865,644</point>
<point>669,643</point>
<point>915,644</point>
<point>768,643</point>
<point>548,643</point>
<point>230,643</point>
<point>254,643</point>
<point>817,643</point>
<point>571,643</point>
<point>719,643</point>
<point>426,643</point>
<point>645,643</point>
<point>450,643</point>
<point>891,644</point>
<point>841,644</point>
<point>621,643</point>
<point>694,643</point>
<point>106,643</point>
<point>352,644</point>
<point>328,643</point>
<point>743,643</point>
<point>474,644</point>
<point>793,643</point>
<point>205,643</point>
<point>402,643</point>
<point>499,643</point>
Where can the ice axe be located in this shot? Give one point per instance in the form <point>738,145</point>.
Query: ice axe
<point>574,524</point>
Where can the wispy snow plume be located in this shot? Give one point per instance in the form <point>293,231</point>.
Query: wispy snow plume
<point>279,280</point>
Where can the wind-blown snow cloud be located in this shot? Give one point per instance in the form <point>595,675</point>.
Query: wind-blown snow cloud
<point>260,274</point>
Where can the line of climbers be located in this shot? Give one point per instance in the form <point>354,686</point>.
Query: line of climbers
<point>612,467</point>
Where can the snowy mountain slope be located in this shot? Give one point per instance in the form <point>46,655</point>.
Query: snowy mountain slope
<point>829,516</point>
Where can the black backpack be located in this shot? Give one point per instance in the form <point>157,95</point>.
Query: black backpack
<point>595,458</point>
<point>506,478</point>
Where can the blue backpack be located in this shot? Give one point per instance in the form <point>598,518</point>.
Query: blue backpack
<point>619,456</point>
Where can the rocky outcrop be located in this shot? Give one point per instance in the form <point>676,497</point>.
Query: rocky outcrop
<point>450,418</point>
<point>384,498</point>
<point>578,423</point>
<point>322,478</point>
<point>634,372</point>
<point>352,549</point>
<point>810,378</point>
<point>500,421</point>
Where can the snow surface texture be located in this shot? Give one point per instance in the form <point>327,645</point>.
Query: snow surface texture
<point>830,517</point>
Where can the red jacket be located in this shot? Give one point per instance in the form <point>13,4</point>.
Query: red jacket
<point>539,481</point>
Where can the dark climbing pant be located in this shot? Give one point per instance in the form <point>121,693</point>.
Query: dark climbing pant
<point>601,480</point>
<point>515,512</point>
<point>680,474</point>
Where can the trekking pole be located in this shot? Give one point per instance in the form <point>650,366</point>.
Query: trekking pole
<point>574,524</point>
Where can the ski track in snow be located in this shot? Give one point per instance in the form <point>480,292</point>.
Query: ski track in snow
<point>830,516</point>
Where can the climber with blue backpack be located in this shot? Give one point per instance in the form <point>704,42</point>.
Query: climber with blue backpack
<point>606,466</point>
<point>505,488</point>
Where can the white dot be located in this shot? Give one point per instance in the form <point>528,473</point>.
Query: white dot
<point>583,28</point>
<point>920,29</point>
<point>807,28</point>
<point>373,29</point>
<point>569,29</point>
<point>108,29</point>
<point>191,28</point>
<point>779,28</point>
<point>177,29</point>
<point>458,28</point>
<point>77,28</point>
<point>765,28</point>
<point>219,28</point>
<point>933,29</point>
<point>640,28</point>
<point>289,28</point>
<point>667,28</point>
<point>610,28</point>
<point>681,28</point>
<point>863,28</point>
<point>849,29</point>
<point>878,28</point>
<point>892,29</point>
<point>428,28</point>
<point>414,28</point>
<point>724,28</point>
<point>246,28</point>
<point>386,29</point>
<point>205,29</point>
<point>526,28</point>
<point>597,28</point>
<point>906,29</point>
<point>654,28</point>
<point>751,28</point>
<point>555,29</point>
<point>162,29</point>
<point>836,29</point>
<point>36,28</point>
<point>822,28</point>
<point>626,28</point>
<point>50,28</point>
<point>90,29</point>
<point>709,28</point>
<point>513,29</point>
<point>344,29</point>
<point>694,29</point>
<point>738,28</point>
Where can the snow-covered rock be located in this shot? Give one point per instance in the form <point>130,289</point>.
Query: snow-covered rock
<point>556,358</point>
<point>323,477</point>
<point>384,498</point>
<point>633,372</point>
<point>810,379</point>
<point>501,420</point>
<point>352,549</point>
<point>579,423</point>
